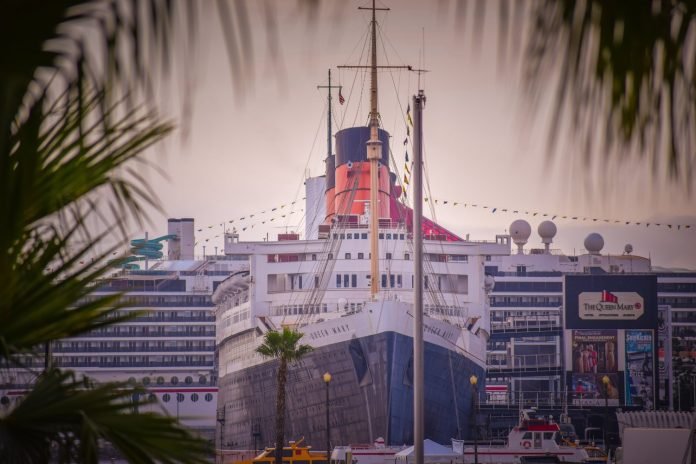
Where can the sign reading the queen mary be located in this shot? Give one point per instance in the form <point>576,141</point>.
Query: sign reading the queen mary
<point>606,305</point>
<point>610,301</point>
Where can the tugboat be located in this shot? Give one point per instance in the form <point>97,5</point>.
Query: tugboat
<point>533,437</point>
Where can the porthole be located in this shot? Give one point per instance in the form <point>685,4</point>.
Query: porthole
<point>188,380</point>
<point>180,397</point>
<point>146,380</point>
<point>5,400</point>
<point>152,398</point>
<point>194,397</point>
<point>175,380</point>
<point>166,397</point>
<point>209,397</point>
<point>160,380</point>
<point>132,381</point>
<point>202,380</point>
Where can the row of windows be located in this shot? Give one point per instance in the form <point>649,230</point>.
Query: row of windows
<point>543,301</point>
<point>180,397</point>
<point>134,346</point>
<point>158,300</point>
<point>549,287</point>
<point>174,380</point>
<point>151,330</point>
<point>678,301</point>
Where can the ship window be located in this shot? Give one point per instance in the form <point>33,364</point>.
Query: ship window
<point>407,256</point>
<point>354,280</point>
<point>347,255</point>
<point>335,236</point>
<point>391,280</point>
<point>361,255</point>
<point>548,435</point>
<point>388,236</point>
<point>316,281</point>
<point>384,280</point>
<point>349,236</point>
<point>330,256</point>
<point>346,279</point>
<point>338,280</point>
<point>166,397</point>
<point>488,257</point>
<point>389,256</point>
<point>425,284</point>
<point>188,380</point>
<point>202,380</point>
<point>209,397</point>
<point>194,397</point>
<point>175,380</point>
<point>381,236</point>
<point>364,236</point>
<point>343,236</point>
<point>160,380</point>
<point>180,397</point>
<point>314,256</point>
<point>398,281</point>
<point>401,236</point>
<point>527,436</point>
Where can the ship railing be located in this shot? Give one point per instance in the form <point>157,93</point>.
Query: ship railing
<point>525,361</point>
<point>136,349</point>
<point>526,323</point>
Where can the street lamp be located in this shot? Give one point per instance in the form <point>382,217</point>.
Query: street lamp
<point>327,381</point>
<point>474,400</point>
<point>605,381</point>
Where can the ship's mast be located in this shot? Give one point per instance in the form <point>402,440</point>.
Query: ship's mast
<point>374,154</point>
<point>328,114</point>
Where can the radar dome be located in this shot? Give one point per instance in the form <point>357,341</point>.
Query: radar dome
<point>547,231</point>
<point>520,230</point>
<point>628,249</point>
<point>594,243</point>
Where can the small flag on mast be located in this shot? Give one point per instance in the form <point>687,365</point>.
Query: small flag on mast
<point>341,100</point>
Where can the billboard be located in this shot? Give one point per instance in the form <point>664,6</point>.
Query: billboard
<point>594,356</point>
<point>610,301</point>
<point>639,374</point>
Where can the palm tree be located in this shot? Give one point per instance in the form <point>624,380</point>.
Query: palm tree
<point>285,347</point>
<point>72,125</point>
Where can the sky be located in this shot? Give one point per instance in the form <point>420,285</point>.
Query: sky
<point>250,137</point>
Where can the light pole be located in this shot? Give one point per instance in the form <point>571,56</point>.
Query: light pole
<point>327,381</point>
<point>474,400</point>
<point>605,381</point>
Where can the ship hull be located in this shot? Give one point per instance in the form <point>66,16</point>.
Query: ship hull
<point>370,395</point>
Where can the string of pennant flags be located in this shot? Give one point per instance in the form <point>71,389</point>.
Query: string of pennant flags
<point>259,218</point>
<point>408,165</point>
<point>552,216</point>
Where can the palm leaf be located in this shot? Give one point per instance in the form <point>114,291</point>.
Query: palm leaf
<point>73,415</point>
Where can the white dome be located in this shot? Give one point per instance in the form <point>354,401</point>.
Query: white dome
<point>594,243</point>
<point>547,230</point>
<point>520,230</point>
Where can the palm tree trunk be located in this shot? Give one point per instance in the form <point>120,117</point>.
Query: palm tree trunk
<point>280,410</point>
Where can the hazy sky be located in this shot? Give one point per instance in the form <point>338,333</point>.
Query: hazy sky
<point>249,150</point>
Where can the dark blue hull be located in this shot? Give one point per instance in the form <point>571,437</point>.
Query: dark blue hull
<point>371,396</point>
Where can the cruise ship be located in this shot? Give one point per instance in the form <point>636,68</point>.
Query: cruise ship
<point>348,286</point>
<point>169,348</point>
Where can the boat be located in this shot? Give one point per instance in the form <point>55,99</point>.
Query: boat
<point>375,453</point>
<point>294,453</point>
<point>348,286</point>
<point>534,437</point>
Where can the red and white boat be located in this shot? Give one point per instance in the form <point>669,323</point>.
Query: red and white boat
<point>534,436</point>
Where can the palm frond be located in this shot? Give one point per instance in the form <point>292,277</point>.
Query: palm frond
<point>627,78</point>
<point>66,417</point>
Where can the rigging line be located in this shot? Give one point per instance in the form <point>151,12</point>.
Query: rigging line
<point>355,77</point>
<point>309,157</point>
<point>391,71</point>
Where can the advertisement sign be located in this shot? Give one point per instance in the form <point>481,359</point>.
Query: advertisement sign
<point>610,301</point>
<point>594,355</point>
<point>640,361</point>
<point>605,305</point>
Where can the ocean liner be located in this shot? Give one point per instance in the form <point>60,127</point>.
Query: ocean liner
<point>349,287</point>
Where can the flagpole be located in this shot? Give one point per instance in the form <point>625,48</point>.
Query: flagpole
<point>418,346</point>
